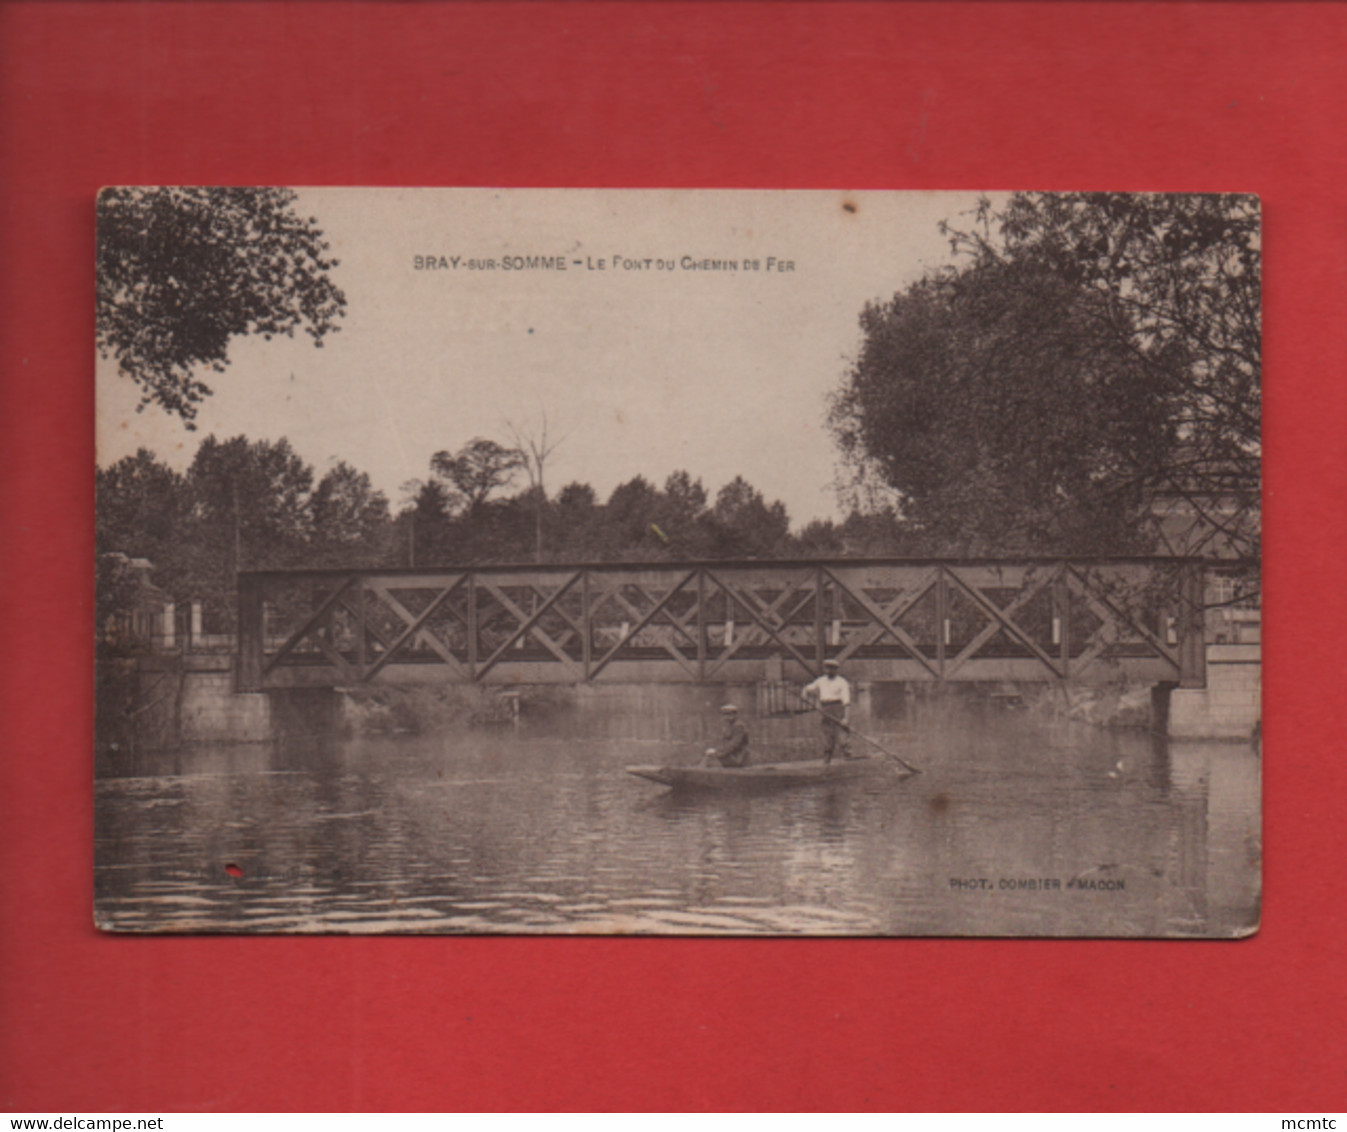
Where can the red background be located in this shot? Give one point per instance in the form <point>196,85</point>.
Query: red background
<point>1063,95</point>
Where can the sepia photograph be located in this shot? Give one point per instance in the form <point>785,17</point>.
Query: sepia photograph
<point>687,562</point>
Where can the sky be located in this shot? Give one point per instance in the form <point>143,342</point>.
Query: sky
<point>637,368</point>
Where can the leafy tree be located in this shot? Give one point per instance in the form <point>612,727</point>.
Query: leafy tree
<point>686,496</point>
<point>876,533</point>
<point>1091,356</point>
<point>626,531</point>
<point>577,499</point>
<point>499,530</point>
<point>351,525</point>
<point>820,538</point>
<point>241,505</point>
<point>429,519</point>
<point>680,517</point>
<point>573,522</point>
<point>745,525</point>
<point>983,398</point>
<point>140,505</point>
<point>249,511</point>
<point>1176,283</point>
<point>182,271</point>
<point>477,469</point>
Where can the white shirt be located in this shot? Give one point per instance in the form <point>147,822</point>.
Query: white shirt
<point>831,690</point>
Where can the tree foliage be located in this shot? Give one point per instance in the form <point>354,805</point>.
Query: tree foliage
<point>255,495</point>
<point>242,504</point>
<point>1179,279</point>
<point>745,524</point>
<point>182,271</point>
<point>1090,355</point>
<point>428,518</point>
<point>477,469</point>
<point>140,506</point>
<point>981,398</point>
<point>350,520</point>
<point>255,505</point>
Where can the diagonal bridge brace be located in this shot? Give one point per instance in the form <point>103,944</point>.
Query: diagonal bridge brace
<point>886,618</point>
<point>414,625</point>
<point>1002,619</point>
<point>675,623</point>
<point>333,599</point>
<point>528,624</point>
<point>759,617</point>
<point>1108,613</point>
<point>602,662</point>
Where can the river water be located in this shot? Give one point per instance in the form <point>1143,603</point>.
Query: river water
<point>1015,827</point>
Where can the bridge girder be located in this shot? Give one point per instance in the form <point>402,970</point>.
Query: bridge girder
<point>726,622</point>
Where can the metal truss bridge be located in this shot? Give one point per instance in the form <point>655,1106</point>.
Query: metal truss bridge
<point>727,622</point>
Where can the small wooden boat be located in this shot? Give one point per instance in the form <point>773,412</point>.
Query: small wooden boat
<point>760,776</point>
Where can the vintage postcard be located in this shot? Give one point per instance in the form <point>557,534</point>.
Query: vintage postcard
<point>678,562</point>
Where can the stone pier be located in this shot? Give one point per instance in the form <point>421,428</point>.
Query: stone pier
<point>1230,706</point>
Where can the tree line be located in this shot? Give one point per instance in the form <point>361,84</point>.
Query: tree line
<point>256,505</point>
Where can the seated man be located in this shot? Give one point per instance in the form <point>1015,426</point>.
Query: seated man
<point>733,749</point>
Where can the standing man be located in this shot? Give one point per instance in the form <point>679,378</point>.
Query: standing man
<point>832,693</point>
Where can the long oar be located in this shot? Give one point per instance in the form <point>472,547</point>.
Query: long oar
<point>907,766</point>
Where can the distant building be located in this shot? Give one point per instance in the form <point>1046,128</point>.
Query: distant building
<point>1213,511</point>
<point>141,613</point>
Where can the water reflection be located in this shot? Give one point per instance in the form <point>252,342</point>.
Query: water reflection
<point>1012,829</point>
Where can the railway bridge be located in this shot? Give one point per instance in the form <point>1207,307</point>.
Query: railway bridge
<point>732,622</point>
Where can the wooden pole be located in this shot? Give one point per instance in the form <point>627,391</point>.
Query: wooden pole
<point>907,766</point>
<point>251,643</point>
